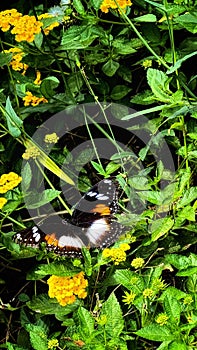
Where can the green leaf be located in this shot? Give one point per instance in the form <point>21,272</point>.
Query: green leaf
<point>56,268</point>
<point>179,63</point>
<point>146,18</point>
<point>36,200</point>
<point>157,81</point>
<point>79,7</point>
<point>189,196</point>
<point>173,292</point>
<point>14,123</point>
<point>123,47</point>
<point>110,68</point>
<point>177,345</point>
<point>172,308</point>
<point>119,91</point>
<point>187,213</point>
<point>85,323</point>
<point>96,4</point>
<point>49,306</point>
<point>26,174</point>
<point>98,168</point>
<point>111,167</point>
<point>48,85</point>
<point>188,21</point>
<point>80,37</point>
<point>38,337</point>
<point>126,278</point>
<point>139,183</point>
<point>114,319</point>
<point>160,227</point>
<point>156,332</point>
<point>5,58</point>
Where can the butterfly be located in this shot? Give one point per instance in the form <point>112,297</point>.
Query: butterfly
<point>91,225</point>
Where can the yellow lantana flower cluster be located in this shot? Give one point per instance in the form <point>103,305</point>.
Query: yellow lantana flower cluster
<point>9,18</point>
<point>30,99</point>
<point>116,254</point>
<point>51,138</point>
<point>31,152</point>
<point>16,62</point>
<point>24,27</point>
<point>9,181</point>
<point>66,289</point>
<point>107,4</point>
<point>3,201</point>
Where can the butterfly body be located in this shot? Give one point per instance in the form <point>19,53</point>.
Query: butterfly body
<point>92,224</point>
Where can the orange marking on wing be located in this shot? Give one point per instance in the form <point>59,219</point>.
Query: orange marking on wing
<point>102,209</point>
<point>51,239</point>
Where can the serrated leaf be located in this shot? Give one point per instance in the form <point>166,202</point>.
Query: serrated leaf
<point>157,81</point>
<point>85,323</point>
<point>14,123</point>
<point>110,68</point>
<point>48,85</point>
<point>38,338</point>
<point>155,332</point>
<point>56,268</point>
<point>172,308</point>
<point>160,227</point>
<point>114,319</point>
<point>49,306</point>
<point>173,292</point>
<point>36,200</point>
<point>125,278</point>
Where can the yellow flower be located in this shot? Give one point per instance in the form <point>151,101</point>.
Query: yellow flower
<point>116,254</point>
<point>31,152</point>
<point>16,62</point>
<point>38,80</point>
<point>107,4</point>
<point>66,289</point>
<point>9,18</point>
<point>128,298</point>
<point>53,343</point>
<point>158,284</point>
<point>188,300</point>
<point>162,319</point>
<point>9,181</point>
<point>26,28</point>
<point>137,263</point>
<point>51,138</point>
<point>147,63</point>
<point>148,293</point>
<point>30,99</point>
<point>3,201</point>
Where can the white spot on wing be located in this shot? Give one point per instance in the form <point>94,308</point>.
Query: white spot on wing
<point>96,230</point>
<point>70,242</point>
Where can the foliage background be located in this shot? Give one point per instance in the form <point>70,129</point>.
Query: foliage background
<point>145,59</point>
